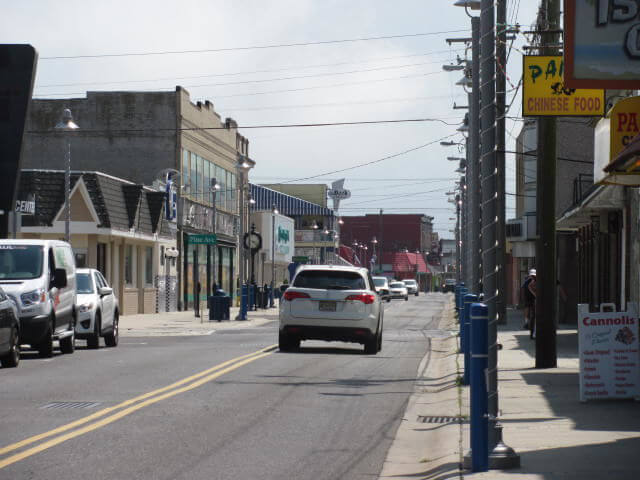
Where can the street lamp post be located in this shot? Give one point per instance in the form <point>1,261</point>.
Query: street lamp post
<point>374,242</point>
<point>67,125</point>
<point>274,212</point>
<point>242,167</point>
<point>315,227</point>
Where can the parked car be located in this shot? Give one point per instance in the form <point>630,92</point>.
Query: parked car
<point>9,332</point>
<point>412,286</point>
<point>97,308</point>
<point>449,285</point>
<point>398,290</point>
<point>382,287</point>
<point>331,303</point>
<point>40,277</point>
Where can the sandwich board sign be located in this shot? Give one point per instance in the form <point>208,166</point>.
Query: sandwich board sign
<point>608,347</point>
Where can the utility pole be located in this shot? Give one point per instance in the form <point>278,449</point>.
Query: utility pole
<point>474,157</point>
<point>381,241</point>
<point>500,455</point>
<point>546,354</point>
<point>501,71</point>
<point>457,236</point>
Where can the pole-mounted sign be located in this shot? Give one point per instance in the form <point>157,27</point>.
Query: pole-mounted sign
<point>545,92</point>
<point>17,73</point>
<point>602,44</point>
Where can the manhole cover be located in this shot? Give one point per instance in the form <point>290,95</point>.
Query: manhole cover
<point>65,405</point>
<point>438,419</point>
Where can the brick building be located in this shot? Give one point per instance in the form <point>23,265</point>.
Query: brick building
<point>394,233</point>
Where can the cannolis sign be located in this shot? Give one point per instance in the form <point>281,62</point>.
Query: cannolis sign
<point>609,354</point>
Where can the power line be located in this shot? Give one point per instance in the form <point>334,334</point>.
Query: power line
<point>250,72</point>
<point>342,104</point>
<point>373,161</point>
<point>402,77</point>
<point>252,47</point>
<point>403,196</point>
<point>291,125</point>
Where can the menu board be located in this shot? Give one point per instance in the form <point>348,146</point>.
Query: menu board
<point>609,354</point>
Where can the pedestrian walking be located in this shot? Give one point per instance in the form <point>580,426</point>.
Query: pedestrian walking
<point>528,299</point>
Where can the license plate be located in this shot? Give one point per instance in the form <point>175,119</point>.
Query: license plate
<point>327,306</point>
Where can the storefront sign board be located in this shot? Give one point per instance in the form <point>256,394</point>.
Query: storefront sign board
<point>602,44</point>
<point>609,353</point>
<point>545,94</point>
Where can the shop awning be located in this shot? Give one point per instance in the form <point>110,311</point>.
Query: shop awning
<point>603,198</point>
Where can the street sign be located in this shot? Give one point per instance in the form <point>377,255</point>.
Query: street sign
<point>300,259</point>
<point>339,193</point>
<point>545,94</point>
<point>203,239</point>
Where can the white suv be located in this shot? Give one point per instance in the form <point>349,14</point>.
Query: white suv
<point>332,303</point>
<point>412,286</point>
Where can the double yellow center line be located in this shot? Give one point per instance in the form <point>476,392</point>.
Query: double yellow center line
<point>106,415</point>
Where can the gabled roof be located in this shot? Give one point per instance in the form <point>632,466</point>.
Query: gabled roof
<point>117,203</point>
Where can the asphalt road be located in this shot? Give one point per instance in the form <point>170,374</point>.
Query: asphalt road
<point>222,406</point>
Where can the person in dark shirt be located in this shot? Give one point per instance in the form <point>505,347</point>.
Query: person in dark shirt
<point>527,297</point>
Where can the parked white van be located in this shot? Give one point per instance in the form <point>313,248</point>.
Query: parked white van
<point>40,277</point>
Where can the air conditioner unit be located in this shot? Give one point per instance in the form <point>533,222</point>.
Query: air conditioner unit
<point>516,229</point>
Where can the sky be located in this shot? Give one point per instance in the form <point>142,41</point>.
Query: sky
<point>348,81</point>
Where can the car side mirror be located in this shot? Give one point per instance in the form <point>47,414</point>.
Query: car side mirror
<point>105,291</point>
<point>60,278</point>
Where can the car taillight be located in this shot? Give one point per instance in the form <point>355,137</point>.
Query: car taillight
<point>364,298</point>
<point>290,296</point>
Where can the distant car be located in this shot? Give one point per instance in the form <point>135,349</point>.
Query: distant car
<point>398,290</point>
<point>331,303</point>
<point>9,332</point>
<point>97,309</point>
<point>449,285</point>
<point>382,287</point>
<point>412,286</point>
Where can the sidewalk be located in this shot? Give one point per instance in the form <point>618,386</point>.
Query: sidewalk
<point>186,323</point>
<point>556,436</point>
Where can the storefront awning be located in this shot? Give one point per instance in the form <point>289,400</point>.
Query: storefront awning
<point>604,197</point>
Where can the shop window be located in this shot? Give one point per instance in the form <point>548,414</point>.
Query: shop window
<point>130,265</point>
<point>148,265</point>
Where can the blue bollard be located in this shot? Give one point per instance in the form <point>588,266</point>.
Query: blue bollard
<point>456,294</point>
<point>244,301</point>
<point>461,293</point>
<point>252,297</point>
<point>479,394</point>
<point>465,343</point>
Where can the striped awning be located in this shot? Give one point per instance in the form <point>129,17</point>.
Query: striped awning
<point>287,205</point>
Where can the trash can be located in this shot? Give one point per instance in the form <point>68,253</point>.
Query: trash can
<point>219,306</point>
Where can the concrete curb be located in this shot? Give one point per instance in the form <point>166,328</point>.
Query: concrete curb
<point>429,438</point>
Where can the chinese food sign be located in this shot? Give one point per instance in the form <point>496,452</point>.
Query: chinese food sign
<point>545,93</point>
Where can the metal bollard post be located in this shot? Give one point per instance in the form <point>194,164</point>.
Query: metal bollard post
<point>479,394</point>
<point>465,343</point>
<point>244,301</point>
<point>462,291</point>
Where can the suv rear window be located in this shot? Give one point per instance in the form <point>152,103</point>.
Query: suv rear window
<point>329,280</point>
<point>379,282</point>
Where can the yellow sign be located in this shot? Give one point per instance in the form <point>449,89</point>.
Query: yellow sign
<point>544,92</point>
<point>625,124</point>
